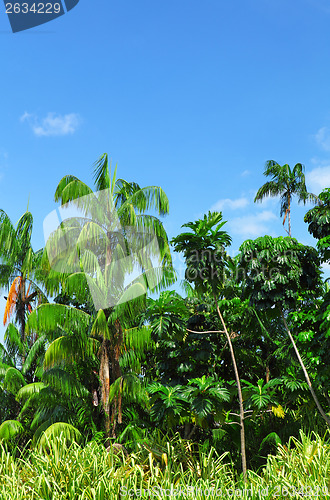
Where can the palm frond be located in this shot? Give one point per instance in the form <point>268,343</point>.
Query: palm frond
<point>270,188</point>
<point>100,326</point>
<point>70,188</point>
<point>37,348</point>
<point>48,317</point>
<point>67,431</point>
<point>28,390</point>
<point>69,350</point>
<point>102,173</point>
<point>10,429</point>
<point>13,380</point>
<point>65,383</point>
<point>13,339</point>
<point>150,198</point>
<point>138,339</point>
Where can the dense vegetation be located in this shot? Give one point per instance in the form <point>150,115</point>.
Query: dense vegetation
<point>229,374</point>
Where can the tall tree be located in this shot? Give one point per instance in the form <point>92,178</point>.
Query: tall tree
<point>19,272</point>
<point>114,235</point>
<point>277,271</point>
<point>206,260</point>
<point>286,183</point>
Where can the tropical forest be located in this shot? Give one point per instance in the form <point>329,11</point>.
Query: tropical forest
<point>118,385</point>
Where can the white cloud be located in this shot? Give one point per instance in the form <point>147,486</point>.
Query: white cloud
<point>26,116</point>
<point>230,204</point>
<point>252,226</point>
<point>318,179</point>
<point>53,124</point>
<point>322,138</point>
<point>245,173</point>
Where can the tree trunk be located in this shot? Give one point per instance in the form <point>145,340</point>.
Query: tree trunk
<point>324,416</point>
<point>22,317</point>
<point>267,374</point>
<point>289,214</point>
<point>239,390</point>
<point>105,384</point>
<point>115,352</point>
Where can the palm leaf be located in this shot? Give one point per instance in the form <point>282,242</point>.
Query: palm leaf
<point>270,188</point>
<point>36,349</point>
<point>57,430</point>
<point>13,380</point>
<point>102,173</point>
<point>48,317</point>
<point>10,429</point>
<point>100,326</point>
<point>13,339</point>
<point>69,349</point>
<point>28,390</point>
<point>65,383</point>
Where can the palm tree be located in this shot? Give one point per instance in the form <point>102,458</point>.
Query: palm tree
<point>19,272</point>
<point>109,240</point>
<point>285,183</point>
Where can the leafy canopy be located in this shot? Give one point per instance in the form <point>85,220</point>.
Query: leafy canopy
<point>275,270</point>
<point>204,251</point>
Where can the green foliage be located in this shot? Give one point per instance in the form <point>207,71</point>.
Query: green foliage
<point>10,429</point>
<point>60,430</point>
<point>71,371</point>
<point>168,404</point>
<point>318,220</point>
<point>204,251</point>
<point>90,472</point>
<point>260,396</point>
<point>276,270</point>
<point>206,397</point>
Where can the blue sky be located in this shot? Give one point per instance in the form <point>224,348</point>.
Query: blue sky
<point>192,96</point>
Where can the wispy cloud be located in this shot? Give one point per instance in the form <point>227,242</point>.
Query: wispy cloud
<point>230,204</point>
<point>318,179</point>
<point>246,173</point>
<point>53,124</point>
<point>322,138</point>
<point>252,226</point>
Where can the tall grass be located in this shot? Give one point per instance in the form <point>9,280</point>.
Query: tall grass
<point>63,471</point>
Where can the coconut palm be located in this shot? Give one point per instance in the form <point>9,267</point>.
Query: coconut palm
<point>106,243</point>
<point>19,273</point>
<point>286,183</point>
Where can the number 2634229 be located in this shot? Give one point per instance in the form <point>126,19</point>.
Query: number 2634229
<point>35,8</point>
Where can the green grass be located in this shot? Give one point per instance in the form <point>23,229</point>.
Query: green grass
<point>66,472</point>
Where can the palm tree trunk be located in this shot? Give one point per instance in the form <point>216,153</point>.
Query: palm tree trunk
<point>22,317</point>
<point>289,214</point>
<point>324,416</point>
<point>239,390</point>
<point>116,407</point>
<point>105,384</point>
